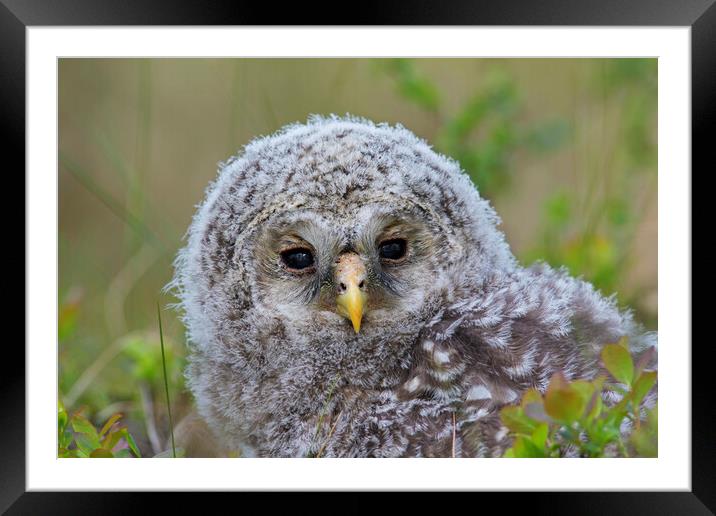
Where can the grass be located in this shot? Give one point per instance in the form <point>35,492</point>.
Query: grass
<point>324,411</point>
<point>166,382</point>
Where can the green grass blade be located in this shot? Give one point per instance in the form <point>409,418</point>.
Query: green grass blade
<point>166,382</point>
<point>131,220</point>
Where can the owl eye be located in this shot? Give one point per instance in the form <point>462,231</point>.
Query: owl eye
<point>298,259</point>
<point>392,249</point>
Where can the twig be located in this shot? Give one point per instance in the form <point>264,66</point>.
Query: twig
<point>324,411</point>
<point>328,437</point>
<point>454,433</point>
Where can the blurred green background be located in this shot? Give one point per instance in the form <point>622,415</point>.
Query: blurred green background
<point>565,149</point>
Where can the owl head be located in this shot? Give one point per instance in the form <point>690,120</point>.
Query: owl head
<point>322,250</point>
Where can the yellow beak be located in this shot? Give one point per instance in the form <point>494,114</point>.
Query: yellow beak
<point>350,282</point>
<point>350,305</point>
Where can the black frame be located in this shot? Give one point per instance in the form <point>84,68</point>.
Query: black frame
<point>700,15</point>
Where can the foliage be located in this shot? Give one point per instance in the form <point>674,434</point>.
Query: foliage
<point>166,381</point>
<point>78,437</point>
<point>592,232</point>
<point>486,130</point>
<point>144,361</point>
<point>148,369</point>
<point>573,418</point>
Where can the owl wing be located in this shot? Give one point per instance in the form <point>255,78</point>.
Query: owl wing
<point>514,333</point>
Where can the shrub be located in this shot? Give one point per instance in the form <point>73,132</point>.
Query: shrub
<point>572,418</point>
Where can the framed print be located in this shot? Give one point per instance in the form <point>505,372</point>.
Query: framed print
<point>446,235</point>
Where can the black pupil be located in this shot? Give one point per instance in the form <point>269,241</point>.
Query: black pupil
<point>392,249</point>
<point>297,258</point>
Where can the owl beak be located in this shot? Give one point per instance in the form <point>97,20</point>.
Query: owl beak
<point>351,283</point>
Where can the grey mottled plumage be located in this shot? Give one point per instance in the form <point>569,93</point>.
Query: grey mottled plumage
<point>453,332</point>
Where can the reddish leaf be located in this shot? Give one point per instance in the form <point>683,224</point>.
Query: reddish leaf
<point>101,453</point>
<point>645,359</point>
<point>536,411</point>
<point>111,440</point>
<point>642,386</point>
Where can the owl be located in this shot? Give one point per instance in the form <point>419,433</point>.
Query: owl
<point>347,293</point>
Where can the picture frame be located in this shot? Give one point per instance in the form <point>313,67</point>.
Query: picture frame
<point>17,15</point>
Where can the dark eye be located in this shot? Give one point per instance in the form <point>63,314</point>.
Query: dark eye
<point>392,249</point>
<point>297,259</point>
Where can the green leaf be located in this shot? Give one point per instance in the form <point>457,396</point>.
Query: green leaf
<point>515,419</point>
<point>83,426</point>
<point>525,448</point>
<point>86,443</point>
<point>131,443</point>
<point>618,362</point>
<point>539,436</point>
<point>562,402</point>
<point>615,415</point>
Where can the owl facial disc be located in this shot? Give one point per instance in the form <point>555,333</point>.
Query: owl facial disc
<point>351,284</point>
